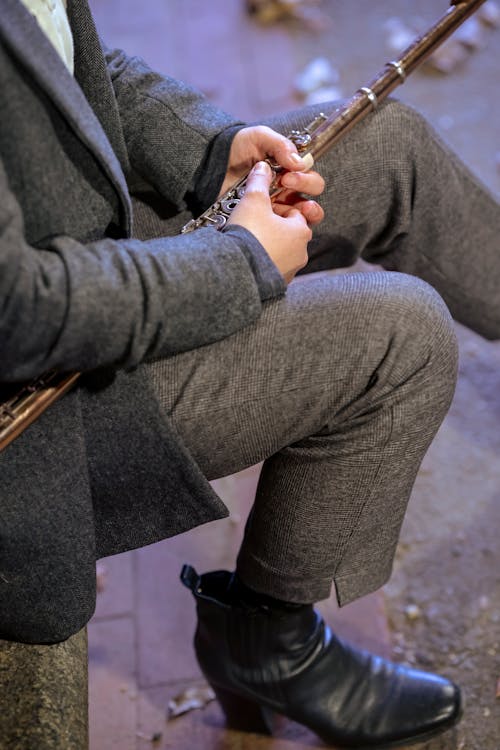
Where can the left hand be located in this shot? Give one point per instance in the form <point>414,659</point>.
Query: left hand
<point>257,143</point>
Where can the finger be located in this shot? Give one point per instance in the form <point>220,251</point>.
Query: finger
<point>284,210</point>
<point>288,157</point>
<point>259,179</point>
<point>303,182</point>
<point>309,210</point>
<point>283,151</point>
<point>297,217</point>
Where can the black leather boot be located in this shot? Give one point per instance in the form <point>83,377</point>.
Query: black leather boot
<point>261,660</point>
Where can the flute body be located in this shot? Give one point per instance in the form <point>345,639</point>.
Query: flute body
<point>25,403</point>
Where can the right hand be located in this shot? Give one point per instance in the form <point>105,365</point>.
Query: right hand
<point>283,235</point>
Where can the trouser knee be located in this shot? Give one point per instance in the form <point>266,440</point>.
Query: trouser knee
<point>416,320</point>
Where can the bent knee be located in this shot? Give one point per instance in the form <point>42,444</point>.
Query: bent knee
<point>420,305</point>
<point>419,318</point>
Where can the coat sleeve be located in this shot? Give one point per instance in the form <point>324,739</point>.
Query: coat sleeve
<point>176,140</point>
<point>76,306</point>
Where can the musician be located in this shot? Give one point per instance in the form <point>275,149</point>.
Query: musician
<point>200,356</point>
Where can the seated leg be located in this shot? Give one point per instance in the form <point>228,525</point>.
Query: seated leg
<point>339,388</point>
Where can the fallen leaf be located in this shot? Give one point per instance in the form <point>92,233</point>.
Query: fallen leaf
<point>154,738</point>
<point>318,73</point>
<point>447,58</point>
<point>189,699</point>
<point>268,12</point>
<point>101,574</point>
<point>489,14</point>
<point>413,612</point>
<point>471,34</point>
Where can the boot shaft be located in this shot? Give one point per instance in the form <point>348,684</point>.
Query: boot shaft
<point>255,640</point>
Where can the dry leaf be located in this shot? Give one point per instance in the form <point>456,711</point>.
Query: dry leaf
<point>398,34</point>
<point>268,12</point>
<point>489,14</point>
<point>497,694</point>
<point>154,738</point>
<point>323,95</point>
<point>413,612</point>
<point>101,574</point>
<point>448,57</point>
<point>471,34</point>
<point>318,73</point>
<point>189,699</point>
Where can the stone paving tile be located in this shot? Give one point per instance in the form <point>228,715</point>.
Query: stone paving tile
<point>117,594</point>
<point>112,685</point>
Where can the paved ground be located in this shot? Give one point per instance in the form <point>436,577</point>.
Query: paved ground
<point>441,609</point>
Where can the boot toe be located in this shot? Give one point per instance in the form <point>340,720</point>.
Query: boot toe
<point>436,705</point>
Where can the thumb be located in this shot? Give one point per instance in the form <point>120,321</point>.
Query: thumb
<point>260,178</point>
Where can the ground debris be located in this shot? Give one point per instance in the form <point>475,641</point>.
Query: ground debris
<point>316,82</point>
<point>153,738</point>
<point>317,73</point>
<point>189,699</point>
<point>489,13</point>
<point>398,34</point>
<point>497,694</point>
<point>450,55</point>
<point>471,34</point>
<point>268,12</point>
<point>484,602</point>
<point>413,612</point>
<point>101,575</point>
<point>325,94</point>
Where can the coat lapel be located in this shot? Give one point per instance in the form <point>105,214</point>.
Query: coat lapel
<point>22,35</point>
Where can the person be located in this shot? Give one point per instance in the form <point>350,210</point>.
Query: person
<point>206,352</point>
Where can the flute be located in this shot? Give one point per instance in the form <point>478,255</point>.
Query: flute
<point>27,402</point>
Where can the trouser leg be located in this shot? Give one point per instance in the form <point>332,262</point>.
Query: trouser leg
<point>397,196</point>
<point>339,387</point>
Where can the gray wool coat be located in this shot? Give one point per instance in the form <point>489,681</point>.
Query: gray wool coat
<point>102,470</point>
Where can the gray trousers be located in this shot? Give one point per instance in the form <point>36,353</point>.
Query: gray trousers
<point>340,386</point>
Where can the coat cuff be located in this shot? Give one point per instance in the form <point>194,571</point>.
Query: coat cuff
<point>212,171</point>
<point>269,280</point>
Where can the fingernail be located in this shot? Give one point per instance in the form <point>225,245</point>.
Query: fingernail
<point>296,159</point>
<point>262,167</point>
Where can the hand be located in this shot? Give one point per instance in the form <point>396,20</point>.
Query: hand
<point>281,229</point>
<point>254,144</point>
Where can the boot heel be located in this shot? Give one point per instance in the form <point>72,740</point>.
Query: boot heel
<point>243,714</point>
